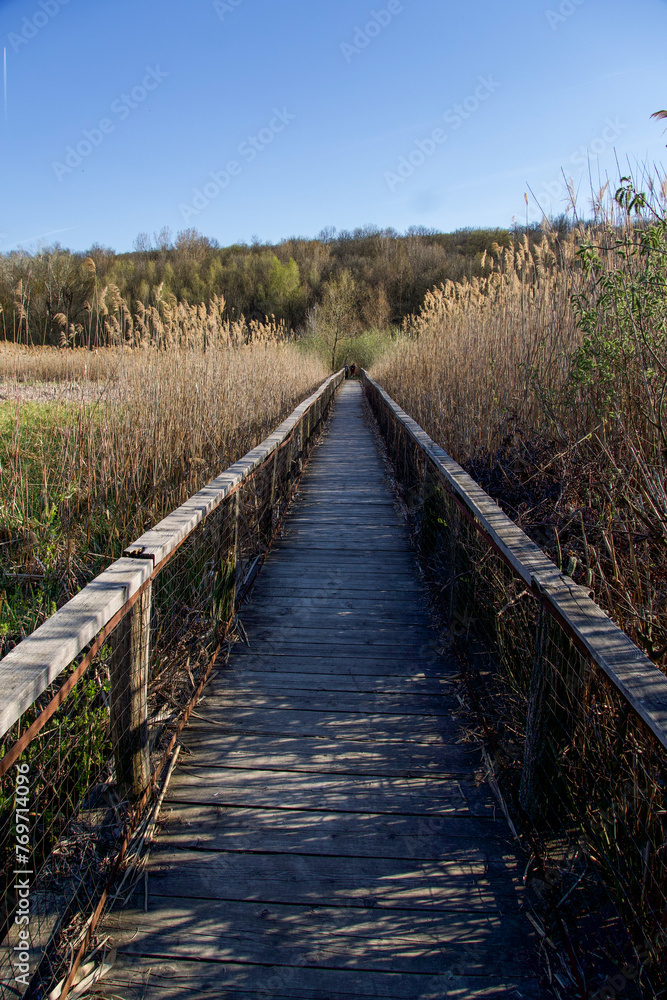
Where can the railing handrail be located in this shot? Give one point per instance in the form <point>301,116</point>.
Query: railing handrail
<point>32,666</point>
<point>635,676</point>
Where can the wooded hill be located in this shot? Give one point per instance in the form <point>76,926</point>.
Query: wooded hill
<point>377,277</point>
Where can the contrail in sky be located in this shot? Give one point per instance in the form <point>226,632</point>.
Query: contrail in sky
<point>4,77</point>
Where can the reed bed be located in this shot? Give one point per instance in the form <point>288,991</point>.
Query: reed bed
<point>465,370</point>
<point>130,434</point>
<point>546,381</point>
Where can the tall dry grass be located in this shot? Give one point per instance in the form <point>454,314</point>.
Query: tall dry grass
<point>547,380</point>
<point>466,369</point>
<point>129,435</point>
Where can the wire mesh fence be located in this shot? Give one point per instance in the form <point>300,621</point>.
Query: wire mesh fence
<point>82,767</point>
<point>581,774</point>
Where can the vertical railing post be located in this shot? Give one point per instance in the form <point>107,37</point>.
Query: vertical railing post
<point>266,515</point>
<point>128,708</point>
<point>539,723</point>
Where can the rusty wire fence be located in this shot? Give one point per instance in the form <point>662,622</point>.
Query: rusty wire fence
<point>572,717</point>
<point>94,701</point>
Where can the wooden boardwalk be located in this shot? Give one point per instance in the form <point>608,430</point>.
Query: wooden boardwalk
<point>326,833</point>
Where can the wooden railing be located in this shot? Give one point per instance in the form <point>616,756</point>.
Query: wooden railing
<point>96,696</point>
<point>574,713</point>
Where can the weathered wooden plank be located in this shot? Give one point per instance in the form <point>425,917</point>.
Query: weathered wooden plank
<point>346,618</point>
<point>172,979</point>
<point>413,594</point>
<point>28,669</point>
<point>411,638</point>
<point>412,602</point>
<point>342,937</point>
<point>330,792</point>
<point>341,577</point>
<point>297,660</point>
<point>358,835</point>
<point>218,697</point>
<point>387,658</point>
<point>354,556</point>
<point>408,760</point>
<point>351,726</point>
<point>399,684</point>
<point>454,886</point>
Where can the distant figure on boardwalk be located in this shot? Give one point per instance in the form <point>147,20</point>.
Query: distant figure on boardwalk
<point>353,370</point>
<point>347,371</point>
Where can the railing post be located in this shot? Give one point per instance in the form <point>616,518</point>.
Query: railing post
<point>130,643</point>
<point>266,515</point>
<point>235,546</point>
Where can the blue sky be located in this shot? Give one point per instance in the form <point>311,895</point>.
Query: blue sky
<point>258,118</point>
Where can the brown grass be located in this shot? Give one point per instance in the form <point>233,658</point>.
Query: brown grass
<point>487,370</point>
<point>82,477</point>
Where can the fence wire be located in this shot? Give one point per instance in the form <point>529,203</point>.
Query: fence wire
<point>79,798</point>
<point>582,778</point>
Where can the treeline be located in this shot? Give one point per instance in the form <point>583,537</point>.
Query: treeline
<point>368,279</point>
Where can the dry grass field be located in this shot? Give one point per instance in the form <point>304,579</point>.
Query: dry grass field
<point>95,447</point>
<point>547,380</point>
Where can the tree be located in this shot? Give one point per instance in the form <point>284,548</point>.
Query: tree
<point>337,314</point>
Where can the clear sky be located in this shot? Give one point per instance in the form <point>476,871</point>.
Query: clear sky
<point>272,118</point>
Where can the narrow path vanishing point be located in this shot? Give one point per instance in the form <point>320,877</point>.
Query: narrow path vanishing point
<point>325,836</point>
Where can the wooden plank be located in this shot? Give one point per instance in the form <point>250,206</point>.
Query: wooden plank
<point>364,662</point>
<point>173,979</point>
<point>372,659</point>
<point>358,835</point>
<point>397,684</point>
<point>408,637</point>
<point>343,937</point>
<point>329,792</point>
<point>379,728</point>
<point>347,618</point>
<point>332,756</point>
<point>343,577</point>
<point>220,697</point>
<point>28,669</point>
<point>318,556</point>
<point>334,601</point>
<point>360,596</point>
<point>319,880</point>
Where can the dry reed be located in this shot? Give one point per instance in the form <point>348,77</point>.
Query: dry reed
<point>83,476</point>
<point>557,423</point>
